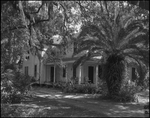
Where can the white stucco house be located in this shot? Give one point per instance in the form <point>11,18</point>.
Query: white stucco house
<point>52,72</point>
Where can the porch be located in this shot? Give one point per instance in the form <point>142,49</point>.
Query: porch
<point>88,72</point>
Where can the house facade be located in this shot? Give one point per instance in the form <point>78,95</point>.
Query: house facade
<point>53,71</point>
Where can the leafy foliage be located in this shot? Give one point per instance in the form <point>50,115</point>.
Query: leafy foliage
<point>14,86</point>
<point>83,88</point>
<point>117,33</point>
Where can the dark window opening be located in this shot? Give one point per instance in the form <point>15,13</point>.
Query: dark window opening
<point>64,71</point>
<point>52,74</point>
<point>99,71</point>
<point>91,74</point>
<point>35,70</point>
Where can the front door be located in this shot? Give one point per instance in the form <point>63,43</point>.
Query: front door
<point>52,74</point>
<point>133,74</point>
<point>91,73</point>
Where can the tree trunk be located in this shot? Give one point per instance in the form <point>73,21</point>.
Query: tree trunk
<point>113,72</point>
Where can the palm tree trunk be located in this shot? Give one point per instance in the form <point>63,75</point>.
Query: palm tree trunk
<point>113,71</point>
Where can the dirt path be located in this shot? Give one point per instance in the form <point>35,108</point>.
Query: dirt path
<point>92,103</point>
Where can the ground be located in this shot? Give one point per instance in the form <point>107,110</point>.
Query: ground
<point>51,102</point>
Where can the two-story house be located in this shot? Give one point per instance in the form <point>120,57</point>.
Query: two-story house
<point>54,70</point>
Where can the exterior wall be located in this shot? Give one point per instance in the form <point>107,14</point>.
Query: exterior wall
<point>33,60</point>
<point>59,74</point>
<point>69,71</point>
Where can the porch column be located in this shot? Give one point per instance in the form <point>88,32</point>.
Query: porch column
<point>80,73</point>
<point>96,75</point>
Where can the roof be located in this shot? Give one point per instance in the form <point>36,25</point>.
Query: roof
<point>49,60</point>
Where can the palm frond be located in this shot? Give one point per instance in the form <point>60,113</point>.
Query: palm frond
<point>91,30</point>
<point>80,50</point>
<point>81,59</point>
<point>133,25</point>
<point>144,60</point>
<point>132,35</point>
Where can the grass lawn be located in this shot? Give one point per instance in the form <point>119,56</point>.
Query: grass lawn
<point>54,103</point>
<point>42,107</point>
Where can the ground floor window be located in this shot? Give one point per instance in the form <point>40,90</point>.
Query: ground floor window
<point>99,71</point>
<point>91,74</point>
<point>64,71</point>
<point>35,70</point>
<point>133,74</point>
<point>26,70</point>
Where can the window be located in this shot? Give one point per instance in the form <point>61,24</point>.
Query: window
<point>26,70</point>
<point>133,74</point>
<point>99,71</point>
<point>64,71</point>
<point>35,70</point>
<point>75,46</point>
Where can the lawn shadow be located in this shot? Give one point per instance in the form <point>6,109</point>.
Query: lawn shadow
<point>53,107</point>
<point>88,102</point>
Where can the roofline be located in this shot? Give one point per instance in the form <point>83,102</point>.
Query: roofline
<point>66,62</point>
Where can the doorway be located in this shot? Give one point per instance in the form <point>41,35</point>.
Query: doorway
<point>133,74</point>
<point>91,73</point>
<point>52,74</point>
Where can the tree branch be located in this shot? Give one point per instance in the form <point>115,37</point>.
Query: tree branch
<point>38,8</point>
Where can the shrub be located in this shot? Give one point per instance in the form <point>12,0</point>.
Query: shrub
<point>59,85</point>
<point>75,88</point>
<point>13,86</point>
<point>102,87</point>
<point>9,111</point>
<point>127,93</point>
<point>22,82</point>
<point>146,83</point>
<point>68,88</point>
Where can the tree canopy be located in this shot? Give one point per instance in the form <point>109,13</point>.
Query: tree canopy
<point>27,24</point>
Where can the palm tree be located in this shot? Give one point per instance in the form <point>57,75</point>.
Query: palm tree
<point>119,41</point>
